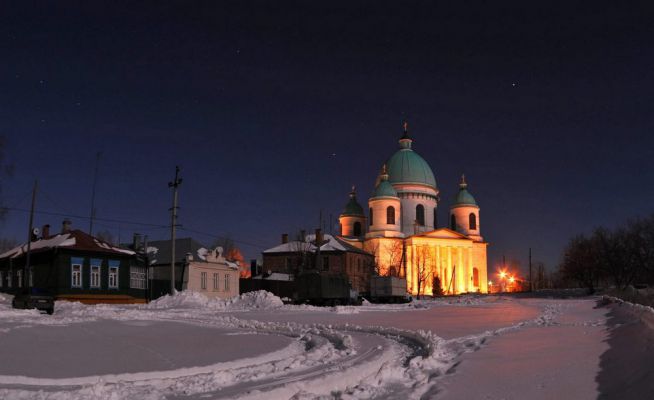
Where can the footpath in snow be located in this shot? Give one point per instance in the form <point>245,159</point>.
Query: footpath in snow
<point>253,346</point>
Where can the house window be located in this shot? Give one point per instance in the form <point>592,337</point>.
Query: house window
<point>19,275</point>
<point>453,222</point>
<point>215,282</point>
<point>370,216</point>
<point>357,229</point>
<point>203,280</point>
<point>472,219</point>
<point>30,277</point>
<point>76,276</point>
<point>420,215</point>
<point>95,276</point>
<point>9,279</point>
<point>95,273</point>
<point>114,268</point>
<point>390,215</point>
<point>227,282</point>
<point>137,278</point>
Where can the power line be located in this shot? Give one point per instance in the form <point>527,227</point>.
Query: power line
<point>86,217</point>
<point>213,235</point>
<point>153,226</point>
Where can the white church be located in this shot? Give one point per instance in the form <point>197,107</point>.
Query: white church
<point>401,228</point>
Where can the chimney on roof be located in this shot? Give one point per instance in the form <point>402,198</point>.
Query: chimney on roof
<point>45,231</point>
<point>319,237</point>
<point>65,226</point>
<point>284,238</point>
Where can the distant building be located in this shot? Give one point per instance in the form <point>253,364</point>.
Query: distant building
<point>401,228</point>
<point>75,266</point>
<point>336,256</point>
<point>196,268</point>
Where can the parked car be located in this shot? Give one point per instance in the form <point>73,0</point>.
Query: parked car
<point>37,298</point>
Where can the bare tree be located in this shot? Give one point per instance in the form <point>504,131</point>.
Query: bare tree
<point>106,236</point>
<point>423,265</point>
<point>7,244</point>
<point>580,263</point>
<point>372,247</point>
<point>226,242</point>
<point>395,253</point>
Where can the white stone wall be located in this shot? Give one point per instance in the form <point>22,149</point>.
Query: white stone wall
<point>462,215</point>
<point>379,207</point>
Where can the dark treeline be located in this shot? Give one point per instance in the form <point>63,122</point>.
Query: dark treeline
<point>611,258</point>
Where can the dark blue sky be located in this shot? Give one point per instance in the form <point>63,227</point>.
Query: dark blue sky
<point>547,109</point>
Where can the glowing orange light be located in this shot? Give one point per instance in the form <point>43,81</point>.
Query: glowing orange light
<point>511,279</point>
<point>502,274</point>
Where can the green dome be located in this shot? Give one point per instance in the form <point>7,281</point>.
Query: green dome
<point>353,207</point>
<point>384,189</point>
<point>406,166</point>
<point>464,198</point>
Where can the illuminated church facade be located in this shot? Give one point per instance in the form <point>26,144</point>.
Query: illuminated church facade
<point>401,230</point>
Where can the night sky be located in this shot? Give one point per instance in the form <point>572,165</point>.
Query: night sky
<point>274,109</point>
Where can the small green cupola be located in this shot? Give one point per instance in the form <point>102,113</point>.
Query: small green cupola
<point>384,188</point>
<point>353,207</point>
<point>464,198</point>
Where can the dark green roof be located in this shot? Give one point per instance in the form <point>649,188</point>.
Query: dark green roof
<point>406,166</point>
<point>464,198</point>
<point>353,207</point>
<point>384,189</point>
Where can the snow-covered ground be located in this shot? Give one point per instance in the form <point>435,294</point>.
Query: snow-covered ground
<point>254,347</point>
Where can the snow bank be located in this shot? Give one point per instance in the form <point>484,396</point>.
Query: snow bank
<point>259,300</point>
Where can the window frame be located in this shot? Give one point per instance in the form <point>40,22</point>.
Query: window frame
<point>74,274</point>
<point>390,215</point>
<point>216,282</point>
<point>356,228</point>
<point>420,216</point>
<point>19,280</point>
<point>95,263</point>
<point>115,266</point>
<point>227,283</point>
<point>138,277</point>
<point>472,221</point>
<point>203,280</point>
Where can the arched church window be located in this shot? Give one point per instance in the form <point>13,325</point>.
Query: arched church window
<point>420,214</point>
<point>390,215</point>
<point>453,222</point>
<point>370,216</point>
<point>475,277</point>
<point>357,228</point>
<point>472,221</point>
<point>435,219</point>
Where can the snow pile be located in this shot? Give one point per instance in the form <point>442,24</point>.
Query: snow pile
<point>259,300</point>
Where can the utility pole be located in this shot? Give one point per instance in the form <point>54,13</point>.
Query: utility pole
<point>95,180</point>
<point>531,284</point>
<point>26,280</point>
<point>173,224</point>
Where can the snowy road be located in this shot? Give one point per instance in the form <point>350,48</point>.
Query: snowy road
<point>255,348</point>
